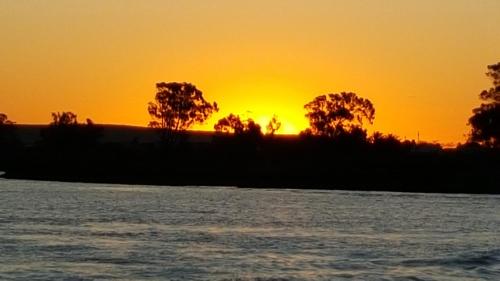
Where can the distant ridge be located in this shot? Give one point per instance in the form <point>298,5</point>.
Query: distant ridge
<point>29,134</point>
<point>111,133</point>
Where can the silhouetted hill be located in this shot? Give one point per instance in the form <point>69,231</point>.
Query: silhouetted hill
<point>30,134</point>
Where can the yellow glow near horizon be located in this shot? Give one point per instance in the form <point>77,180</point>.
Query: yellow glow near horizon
<point>273,99</point>
<point>421,63</point>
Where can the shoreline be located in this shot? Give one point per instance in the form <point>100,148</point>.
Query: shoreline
<point>377,187</point>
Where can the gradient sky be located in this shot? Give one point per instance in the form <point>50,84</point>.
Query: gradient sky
<point>421,63</point>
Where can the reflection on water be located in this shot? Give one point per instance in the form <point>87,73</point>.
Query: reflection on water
<point>71,231</point>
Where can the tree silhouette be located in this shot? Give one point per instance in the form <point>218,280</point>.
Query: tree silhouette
<point>7,134</point>
<point>64,131</point>
<point>333,115</point>
<point>273,126</point>
<point>493,94</point>
<point>64,119</point>
<point>230,124</point>
<point>178,106</point>
<point>233,124</point>
<point>485,121</point>
<point>385,142</point>
<point>4,120</point>
<point>252,129</point>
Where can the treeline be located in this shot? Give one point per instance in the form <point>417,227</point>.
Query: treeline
<point>348,162</point>
<point>334,152</point>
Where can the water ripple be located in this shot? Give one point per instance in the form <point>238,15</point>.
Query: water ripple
<point>74,231</point>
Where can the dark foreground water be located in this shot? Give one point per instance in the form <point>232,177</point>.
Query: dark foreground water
<point>73,231</point>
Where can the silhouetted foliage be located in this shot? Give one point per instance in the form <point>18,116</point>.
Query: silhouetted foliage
<point>334,115</point>
<point>469,146</point>
<point>4,120</point>
<point>7,131</point>
<point>177,107</point>
<point>233,124</point>
<point>252,129</point>
<point>385,142</point>
<point>65,131</point>
<point>485,121</point>
<point>273,126</point>
<point>486,125</point>
<point>230,124</point>
<point>354,138</point>
<point>246,133</point>
<point>492,94</point>
<point>62,119</point>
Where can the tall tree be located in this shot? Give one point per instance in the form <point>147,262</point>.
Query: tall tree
<point>332,115</point>
<point>178,106</point>
<point>485,121</point>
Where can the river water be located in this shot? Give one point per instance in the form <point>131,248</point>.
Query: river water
<point>75,231</point>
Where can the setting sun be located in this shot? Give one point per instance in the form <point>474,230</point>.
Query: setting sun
<point>260,100</point>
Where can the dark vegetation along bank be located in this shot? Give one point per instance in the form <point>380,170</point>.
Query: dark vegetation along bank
<point>335,152</point>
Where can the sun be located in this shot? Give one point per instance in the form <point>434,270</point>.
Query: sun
<point>287,128</point>
<point>263,121</point>
<point>260,99</point>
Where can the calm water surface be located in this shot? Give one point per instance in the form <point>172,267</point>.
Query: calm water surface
<point>74,231</point>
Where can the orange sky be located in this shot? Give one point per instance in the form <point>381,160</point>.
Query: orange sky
<point>421,63</point>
